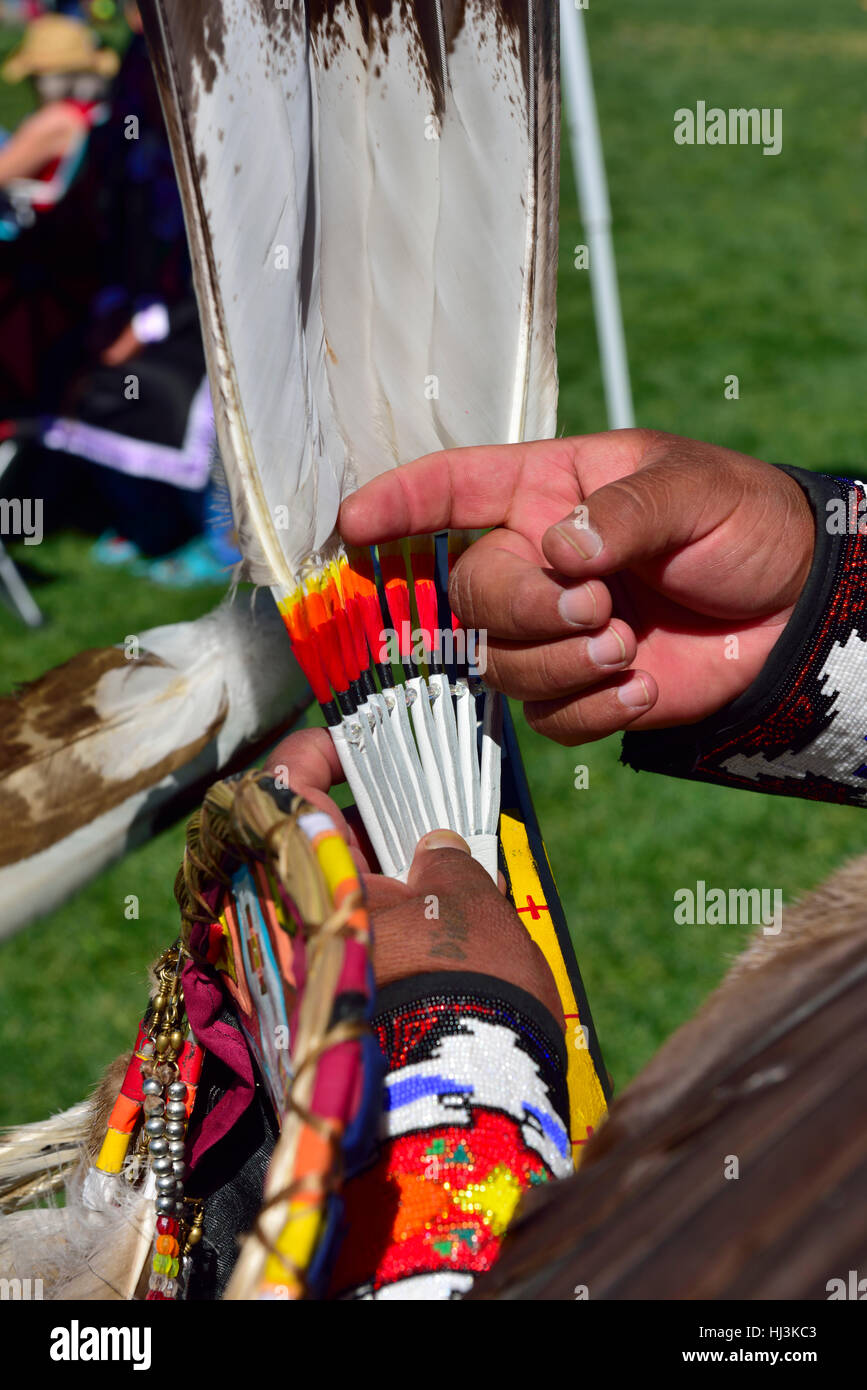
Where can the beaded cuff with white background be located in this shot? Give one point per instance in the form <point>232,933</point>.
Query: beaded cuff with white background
<point>475,1113</point>
<point>800,728</point>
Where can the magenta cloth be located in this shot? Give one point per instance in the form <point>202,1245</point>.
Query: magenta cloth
<point>205,1001</point>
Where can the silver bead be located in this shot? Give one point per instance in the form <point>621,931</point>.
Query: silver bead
<point>175,1129</point>
<point>159,1147</point>
<point>166,1183</point>
<point>178,1090</point>
<point>152,1087</point>
<point>179,1188</point>
<point>179,1168</point>
<point>156,1126</point>
<point>163,1165</point>
<point>177,1148</point>
<point>176,1110</point>
<point>165,1204</point>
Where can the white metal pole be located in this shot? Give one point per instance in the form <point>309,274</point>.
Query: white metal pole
<point>590,182</point>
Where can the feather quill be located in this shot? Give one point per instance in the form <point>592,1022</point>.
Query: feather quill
<point>35,1158</point>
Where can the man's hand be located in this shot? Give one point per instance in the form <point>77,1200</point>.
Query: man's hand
<point>448,916</point>
<point>620,567</point>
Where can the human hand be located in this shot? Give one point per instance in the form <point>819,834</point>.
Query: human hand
<point>124,347</point>
<point>620,566</point>
<point>447,916</point>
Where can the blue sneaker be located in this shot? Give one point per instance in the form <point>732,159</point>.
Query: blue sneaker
<point>191,567</point>
<point>112,549</point>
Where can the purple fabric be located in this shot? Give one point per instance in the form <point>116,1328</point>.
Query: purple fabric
<point>205,1001</point>
<point>187,467</point>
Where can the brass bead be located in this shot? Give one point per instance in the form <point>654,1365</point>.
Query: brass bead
<point>160,1002</point>
<point>176,1039</point>
<point>195,1236</point>
<point>162,1043</point>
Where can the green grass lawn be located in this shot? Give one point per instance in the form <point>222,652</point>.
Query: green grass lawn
<point>730,262</point>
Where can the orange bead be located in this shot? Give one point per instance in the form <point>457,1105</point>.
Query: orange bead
<point>167,1245</point>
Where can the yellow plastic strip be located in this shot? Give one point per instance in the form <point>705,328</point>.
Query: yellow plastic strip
<point>113,1151</point>
<point>335,861</point>
<point>587,1106</point>
<point>297,1241</point>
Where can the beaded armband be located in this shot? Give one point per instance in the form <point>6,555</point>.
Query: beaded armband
<point>475,1112</point>
<point>800,728</point>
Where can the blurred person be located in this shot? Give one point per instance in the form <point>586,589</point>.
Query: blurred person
<point>70,74</point>
<point>146,323</point>
<point>50,257</point>
<point>19,11</point>
<point>132,437</point>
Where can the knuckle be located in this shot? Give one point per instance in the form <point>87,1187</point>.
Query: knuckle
<point>514,612</point>
<point>503,671</point>
<point>548,673</point>
<point>656,442</point>
<point>564,723</point>
<point>465,581</point>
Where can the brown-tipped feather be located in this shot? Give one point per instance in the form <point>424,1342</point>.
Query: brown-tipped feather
<point>103,752</point>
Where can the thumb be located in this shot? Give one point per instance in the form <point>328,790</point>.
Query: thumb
<point>669,503</point>
<point>479,927</point>
<point>443,866</point>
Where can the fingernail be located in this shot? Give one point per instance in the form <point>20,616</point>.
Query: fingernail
<point>582,538</point>
<point>578,606</point>
<point>444,839</point>
<point>633,694</point>
<point>608,649</point>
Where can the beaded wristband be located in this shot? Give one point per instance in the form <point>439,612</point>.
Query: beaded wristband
<point>475,1112</point>
<point>800,728</point>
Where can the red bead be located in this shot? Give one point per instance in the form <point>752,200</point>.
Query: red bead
<point>167,1226</point>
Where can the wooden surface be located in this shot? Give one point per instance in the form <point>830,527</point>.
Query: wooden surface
<point>769,1080</point>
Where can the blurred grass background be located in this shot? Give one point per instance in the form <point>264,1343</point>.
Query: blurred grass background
<point>730,262</point>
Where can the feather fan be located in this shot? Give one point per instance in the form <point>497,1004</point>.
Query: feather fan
<point>370,195</point>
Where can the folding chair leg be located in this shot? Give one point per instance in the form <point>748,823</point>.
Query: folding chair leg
<point>17,590</point>
<point>10,580</point>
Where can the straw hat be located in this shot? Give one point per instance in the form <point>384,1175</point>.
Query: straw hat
<point>58,43</point>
